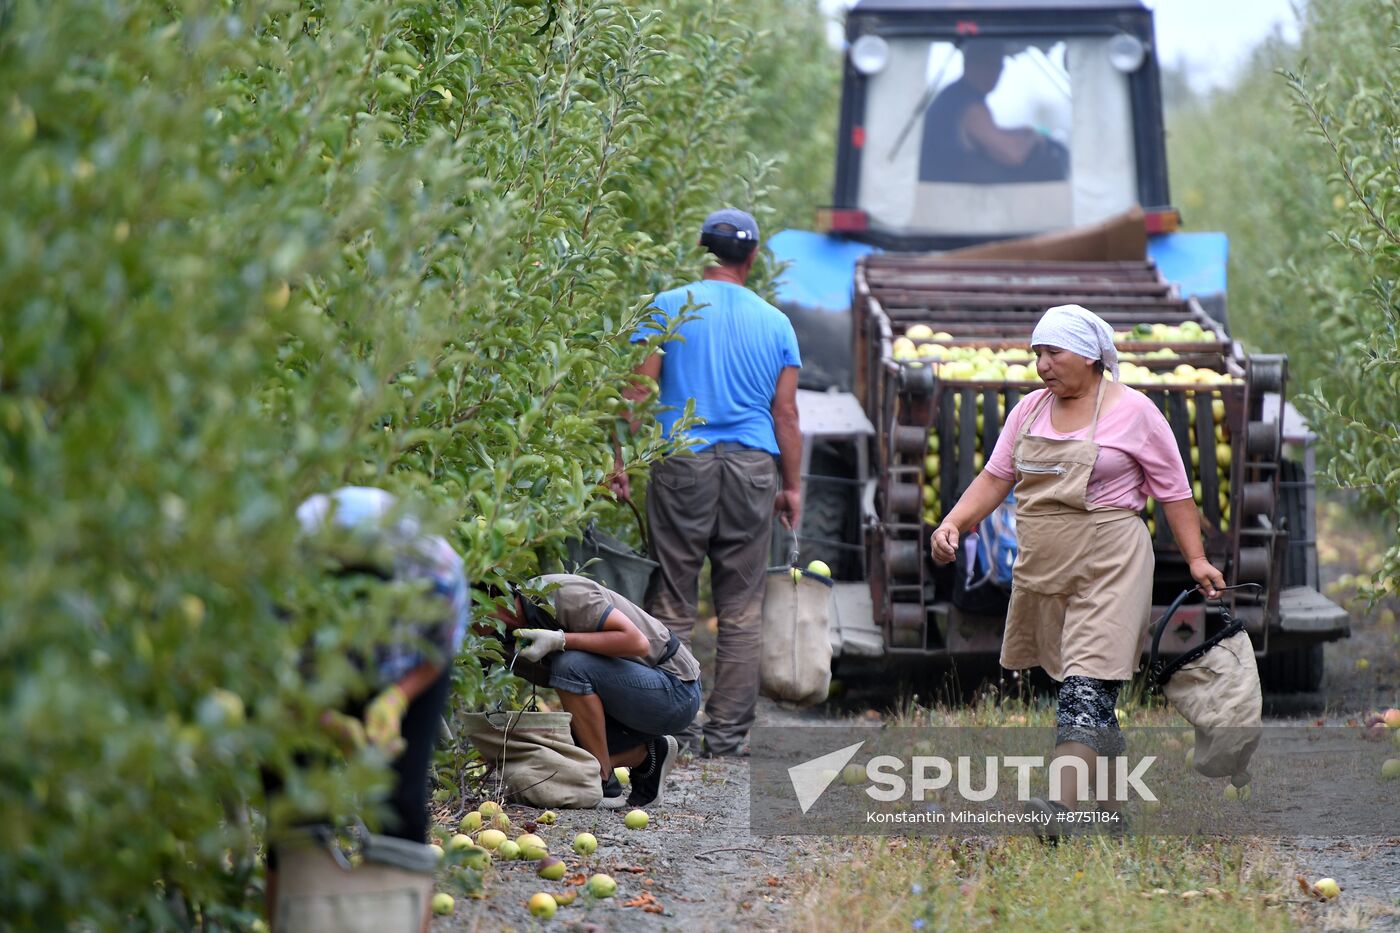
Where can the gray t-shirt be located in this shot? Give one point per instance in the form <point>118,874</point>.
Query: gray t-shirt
<point>582,605</point>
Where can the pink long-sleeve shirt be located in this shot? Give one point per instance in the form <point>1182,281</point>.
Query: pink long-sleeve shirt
<point>1137,458</point>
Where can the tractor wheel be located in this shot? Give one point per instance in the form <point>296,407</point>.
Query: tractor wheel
<point>826,518</point>
<point>1292,670</point>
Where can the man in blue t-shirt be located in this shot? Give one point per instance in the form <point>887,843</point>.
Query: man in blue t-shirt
<point>737,359</point>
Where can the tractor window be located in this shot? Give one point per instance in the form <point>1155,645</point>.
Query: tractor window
<point>988,137</point>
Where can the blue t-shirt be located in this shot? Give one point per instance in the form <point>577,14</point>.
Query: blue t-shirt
<point>728,360</point>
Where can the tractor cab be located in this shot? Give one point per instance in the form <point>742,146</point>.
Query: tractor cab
<point>964,122</point>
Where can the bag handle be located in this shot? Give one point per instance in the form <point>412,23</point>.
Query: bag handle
<point>1161,672</point>
<point>641,526</point>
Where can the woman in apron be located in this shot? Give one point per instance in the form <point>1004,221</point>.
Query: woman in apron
<point>1082,454</point>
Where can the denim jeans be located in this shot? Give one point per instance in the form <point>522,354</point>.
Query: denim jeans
<point>639,702</point>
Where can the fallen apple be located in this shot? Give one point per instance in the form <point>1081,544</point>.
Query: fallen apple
<point>507,850</point>
<point>459,841</point>
<point>489,809</point>
<point>530,839</point>
<point>623,775</point>
<point>565,898</point>
<point>1392,718</point>
<point>602,886</point>
<point>476,857</point>
<point>443,903</point>
<point>471,822</point>
<point>1362,664</point>
<point>1391,769</point>
<point>438,851</point>
<point>543,906</point>
<point>818,568</point>
<point>853,774</point>
<point>585,843</point>
<point>1236,793</point>
<point>490,838</point>
<point>1327,888</point>
<point>500,821</point>
<point>549,818</point>
<point>551,868</point>
<point>636,819</point>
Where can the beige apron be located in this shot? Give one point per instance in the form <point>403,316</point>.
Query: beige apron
<point>1081,594</point>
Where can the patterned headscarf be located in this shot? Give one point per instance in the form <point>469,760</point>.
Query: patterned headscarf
<point>1080,331</point>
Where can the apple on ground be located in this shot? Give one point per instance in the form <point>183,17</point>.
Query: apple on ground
<point>853,774</point>
<point>507,851</point>
<point>438,851</point>
<point>543,906</point>
<point>1391,769</point>
<point>636,819</point>
<point>551,868</point>
<point>459,841</point>
<point>490,838</point>
<point>471,822</point>
<point>443,903</point>
<point>549,818</point>
<point>585,843</point>
<point>1328,888</point>
<point>602,886</point>
<point>488,809</point>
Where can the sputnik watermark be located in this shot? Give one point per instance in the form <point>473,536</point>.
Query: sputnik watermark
<point>892,778</point>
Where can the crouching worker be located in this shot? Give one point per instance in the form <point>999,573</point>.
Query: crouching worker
<point>361,535</point>
<point>625,678</point>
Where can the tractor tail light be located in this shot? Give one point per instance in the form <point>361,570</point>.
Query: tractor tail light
<point>842,220</point>
<point>1162,220</point>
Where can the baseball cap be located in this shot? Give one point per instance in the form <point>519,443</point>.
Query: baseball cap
<point>745,227</point>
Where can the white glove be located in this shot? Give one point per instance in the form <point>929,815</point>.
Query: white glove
<point>542,641</point>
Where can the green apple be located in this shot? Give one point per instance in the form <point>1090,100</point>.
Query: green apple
<point>623,775</point>
<point>530,839</point>
<point>459,841</point>
<point>490,838</point>
<point>602,886</point>
<point>507,850</point>
<point>471,822</point>
<point>1222,454</point>
<point>1326,887</point>
<point>819,568</point>
<point>1391,769</point>
<point>476,857</point>
<point>437,851</point>
<point>548,818</point>
<point>551,868</point>
<point>443,903</point>
<point>488,809</point>
<point>500,821</point>
<point>636,819</point>
<point>585,843</point>
<point>543,906</point>
<point>796,575</point>
<point>853,775</point>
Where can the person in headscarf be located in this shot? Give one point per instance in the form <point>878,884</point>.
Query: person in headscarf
<point>1082,454</point>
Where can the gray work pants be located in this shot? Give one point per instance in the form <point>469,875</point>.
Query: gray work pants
<point>717,503</point>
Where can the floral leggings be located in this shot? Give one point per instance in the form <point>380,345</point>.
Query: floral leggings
<point>1084,713</point>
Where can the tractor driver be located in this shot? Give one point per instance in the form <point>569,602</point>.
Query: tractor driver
<point>962,142</point>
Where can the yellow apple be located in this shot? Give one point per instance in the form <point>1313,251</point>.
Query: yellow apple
<point>818,568</point>
<point>543,906</point>
<point>443,903</point>
<point>1327,888</point>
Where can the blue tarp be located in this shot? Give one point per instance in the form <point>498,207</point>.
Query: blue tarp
<point>1194,261</point>
<point>822,268</point>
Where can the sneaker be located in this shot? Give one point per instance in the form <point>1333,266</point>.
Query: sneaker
<point>646,790</point>
<point>613,797</point>
<point>1051,827</point>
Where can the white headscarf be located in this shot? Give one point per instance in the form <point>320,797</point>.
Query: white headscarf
<point>1080,331</point>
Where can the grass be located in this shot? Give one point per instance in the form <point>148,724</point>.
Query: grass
<point>989,883</point>
<point>953,883</point>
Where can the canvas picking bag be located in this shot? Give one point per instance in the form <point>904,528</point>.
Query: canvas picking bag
<point>1215,686</point>
<point>795,663</point>
<point>318,888</point>
<point>537,757</point>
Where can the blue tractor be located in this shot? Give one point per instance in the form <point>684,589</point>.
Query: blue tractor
<point>996,157</point>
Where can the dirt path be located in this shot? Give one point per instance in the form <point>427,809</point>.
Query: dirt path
<point>696,858</point>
